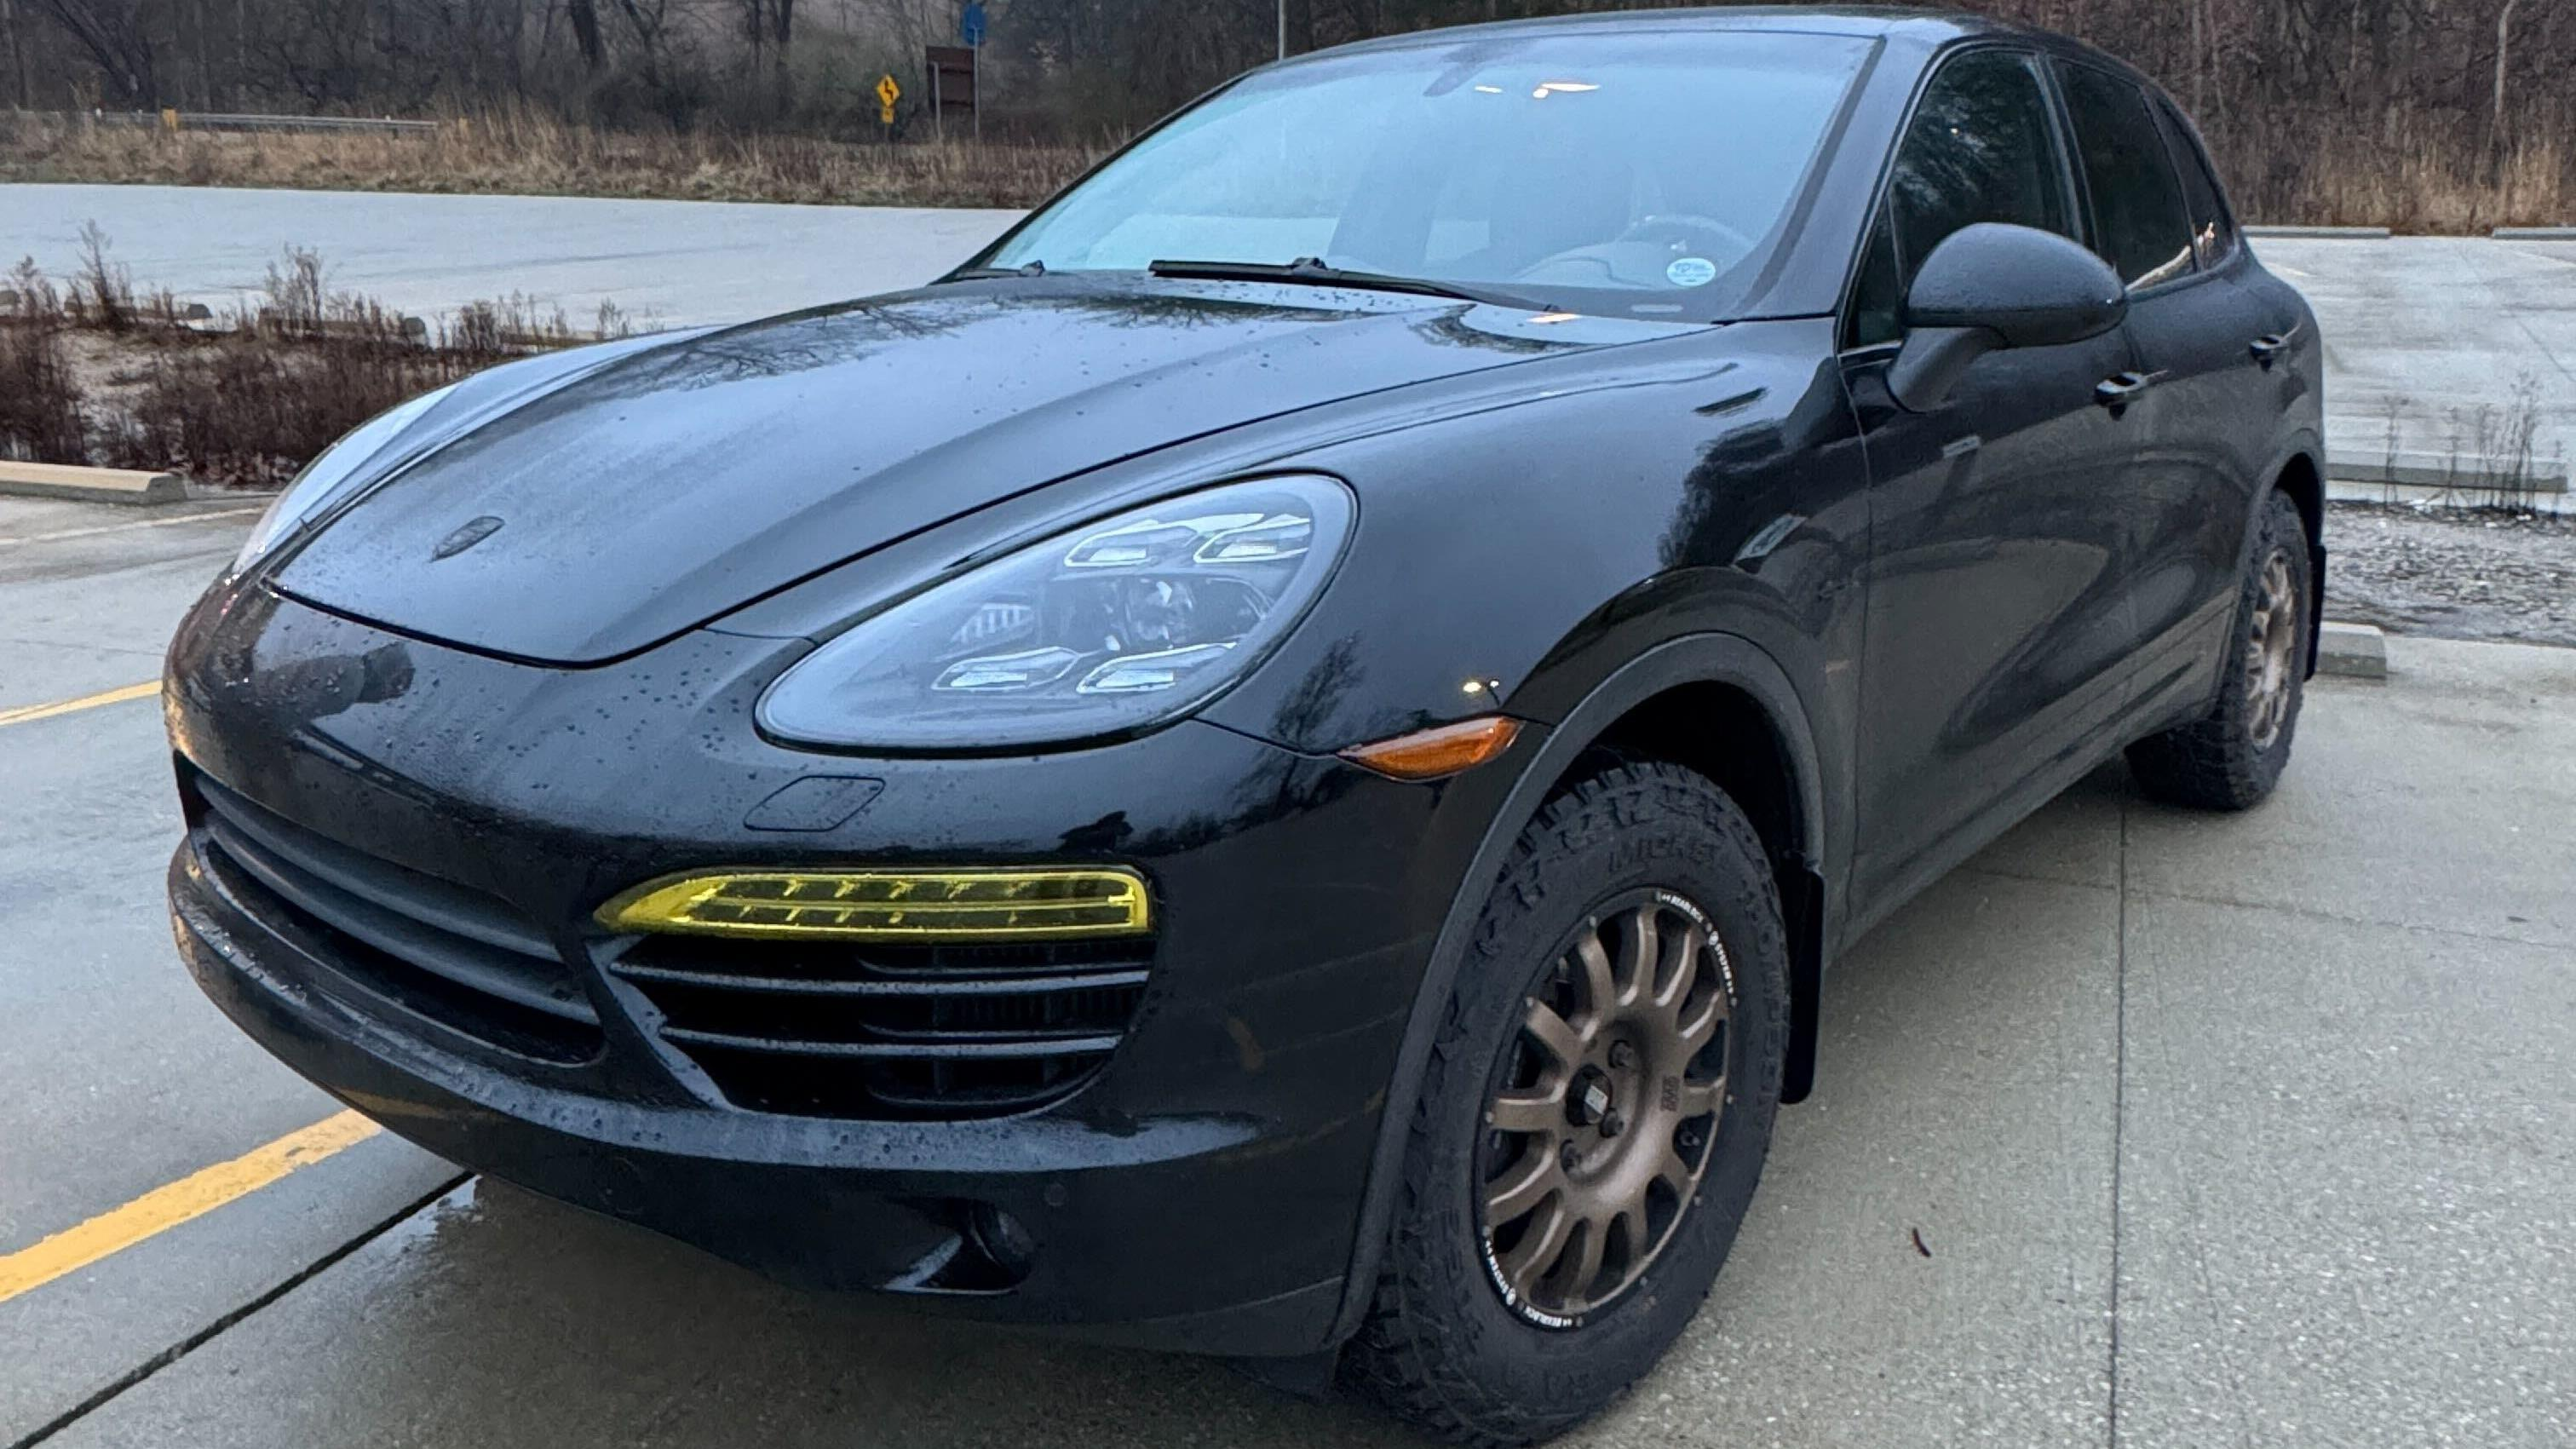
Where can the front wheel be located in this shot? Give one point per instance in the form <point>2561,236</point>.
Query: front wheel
<point>1593,1117</point>
<point>2230,758</point>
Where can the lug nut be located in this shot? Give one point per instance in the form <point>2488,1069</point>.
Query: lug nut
<point>1622,1055</point>
<point>1612,1124</point>
<point>1569,1157</point>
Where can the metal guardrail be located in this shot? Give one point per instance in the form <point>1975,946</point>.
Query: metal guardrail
<point>217,121</point>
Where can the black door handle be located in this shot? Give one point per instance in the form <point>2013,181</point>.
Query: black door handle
<point>2272,344</point>
<point>2122,388</point>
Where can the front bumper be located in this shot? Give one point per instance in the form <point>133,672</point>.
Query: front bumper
<point>1199,1190</point>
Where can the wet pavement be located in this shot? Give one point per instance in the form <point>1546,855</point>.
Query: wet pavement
<point>2146,1128</point>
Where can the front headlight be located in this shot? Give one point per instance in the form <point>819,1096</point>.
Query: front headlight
<point>324,477</point>
<point>1123,624</point>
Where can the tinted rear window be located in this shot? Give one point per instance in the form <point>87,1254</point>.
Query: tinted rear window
<point>2213,235</point>
<point>2137,201</point>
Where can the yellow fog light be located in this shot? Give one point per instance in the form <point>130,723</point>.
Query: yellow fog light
<point>887,905</point>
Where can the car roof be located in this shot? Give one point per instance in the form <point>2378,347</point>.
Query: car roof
<point>1924,31</point>
<point>1871,20</point>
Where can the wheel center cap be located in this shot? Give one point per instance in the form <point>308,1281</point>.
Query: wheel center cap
<point>1591,1099</point>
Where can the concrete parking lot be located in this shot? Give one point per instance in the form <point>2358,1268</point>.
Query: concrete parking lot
<point>2442,345</point>
<point>666,263</point>
<point>2255,1130</point>
<point>2434,345</point>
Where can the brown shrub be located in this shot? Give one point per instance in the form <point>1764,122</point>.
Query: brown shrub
<point>40,400</point>
<point>245,410</point>
<point>40,403</point>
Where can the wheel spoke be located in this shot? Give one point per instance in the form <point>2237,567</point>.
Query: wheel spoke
<point>1632,1224</point>
<point>1539,1109</point>
<point>1598,990</point>
<point>1537,1251</point>
<point>1673,1170</point>
<point>1696,1029</point>
<point>1638,944</point>
<point>1523,1188</point>
<point>1555,1035</point>
<point>1698,1099</point>
<point>1672,991</point>
<point>1586,1259</point>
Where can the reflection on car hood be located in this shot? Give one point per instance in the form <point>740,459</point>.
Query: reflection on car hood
<point>674,481</point>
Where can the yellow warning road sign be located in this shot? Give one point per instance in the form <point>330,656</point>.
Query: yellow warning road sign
<point>887,94</point>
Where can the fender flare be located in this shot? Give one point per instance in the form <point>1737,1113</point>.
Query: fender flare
<point>2303,445</point>
<point>1711,658</point>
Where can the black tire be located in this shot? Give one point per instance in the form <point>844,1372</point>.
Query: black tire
<point>2231,757</point>
<point>1440,1347</point>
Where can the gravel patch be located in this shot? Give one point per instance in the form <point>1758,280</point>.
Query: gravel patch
<point>2452,573</point>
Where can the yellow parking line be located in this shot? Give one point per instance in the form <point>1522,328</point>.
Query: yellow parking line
<point>27,713</point>
<point>192,1196</point>
<point>13,540</point>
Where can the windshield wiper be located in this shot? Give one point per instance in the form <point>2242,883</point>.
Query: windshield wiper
<point>1315,272</point>
<point>986,274</point>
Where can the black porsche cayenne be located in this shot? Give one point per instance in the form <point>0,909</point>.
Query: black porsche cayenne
<point>1273,766</point>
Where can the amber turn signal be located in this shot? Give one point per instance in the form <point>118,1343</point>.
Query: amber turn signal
<point>1432,753</point>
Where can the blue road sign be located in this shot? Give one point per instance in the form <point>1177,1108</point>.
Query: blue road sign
<point>970,26</point>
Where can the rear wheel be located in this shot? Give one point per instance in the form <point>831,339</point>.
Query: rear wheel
<point>2230,758</point>
<point>1594,1115</point>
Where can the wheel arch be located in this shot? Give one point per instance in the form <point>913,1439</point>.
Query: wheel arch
<point>2299,478</point>
<point>1761,746</point>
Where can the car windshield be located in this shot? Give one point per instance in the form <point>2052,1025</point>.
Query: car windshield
<point>1644,172</point>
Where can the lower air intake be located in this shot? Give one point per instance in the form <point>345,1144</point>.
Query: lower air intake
<point>822,1029</point>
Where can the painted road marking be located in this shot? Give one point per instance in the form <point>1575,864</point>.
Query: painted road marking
<point>7,540</point>
<point>29,713</point>
<point>164,1208</point>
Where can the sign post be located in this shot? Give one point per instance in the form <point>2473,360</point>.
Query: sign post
<point>952,85</point>
<point>970,29</point>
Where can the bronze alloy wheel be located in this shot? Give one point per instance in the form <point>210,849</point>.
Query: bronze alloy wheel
<point>1598,1130</point>
<point>2271,651</point>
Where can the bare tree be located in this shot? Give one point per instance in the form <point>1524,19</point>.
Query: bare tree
<point>118,41</point>
<point>2504,42</point>
<point>9,22</point>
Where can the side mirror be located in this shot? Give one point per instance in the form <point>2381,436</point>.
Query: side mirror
<point>1991,286</point>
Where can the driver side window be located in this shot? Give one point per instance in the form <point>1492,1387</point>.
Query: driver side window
<point>1981,147</point>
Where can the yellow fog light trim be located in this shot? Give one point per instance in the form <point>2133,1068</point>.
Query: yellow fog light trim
<point>887,905</point>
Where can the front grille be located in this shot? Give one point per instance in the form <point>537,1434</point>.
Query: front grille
<point>457,956</point>
<point>850,1030</point>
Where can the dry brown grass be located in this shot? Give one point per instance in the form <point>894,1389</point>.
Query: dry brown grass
<point>2408,173</point>
<point>526,153</point>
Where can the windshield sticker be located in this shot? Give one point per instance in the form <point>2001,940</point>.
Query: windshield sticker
<point>1691,272</point>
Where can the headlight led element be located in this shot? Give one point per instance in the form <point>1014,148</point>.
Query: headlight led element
<point>1127,623</point>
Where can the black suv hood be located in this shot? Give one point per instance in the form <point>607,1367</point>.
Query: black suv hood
<point>676,480</point>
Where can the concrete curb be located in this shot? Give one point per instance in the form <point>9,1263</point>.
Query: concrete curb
<point>92,485</point>
<point>2534,233</point>
<point>2415,469</point>
<point>2338,233</point>
<point>2341,491</point>
<point>2352,651</point>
